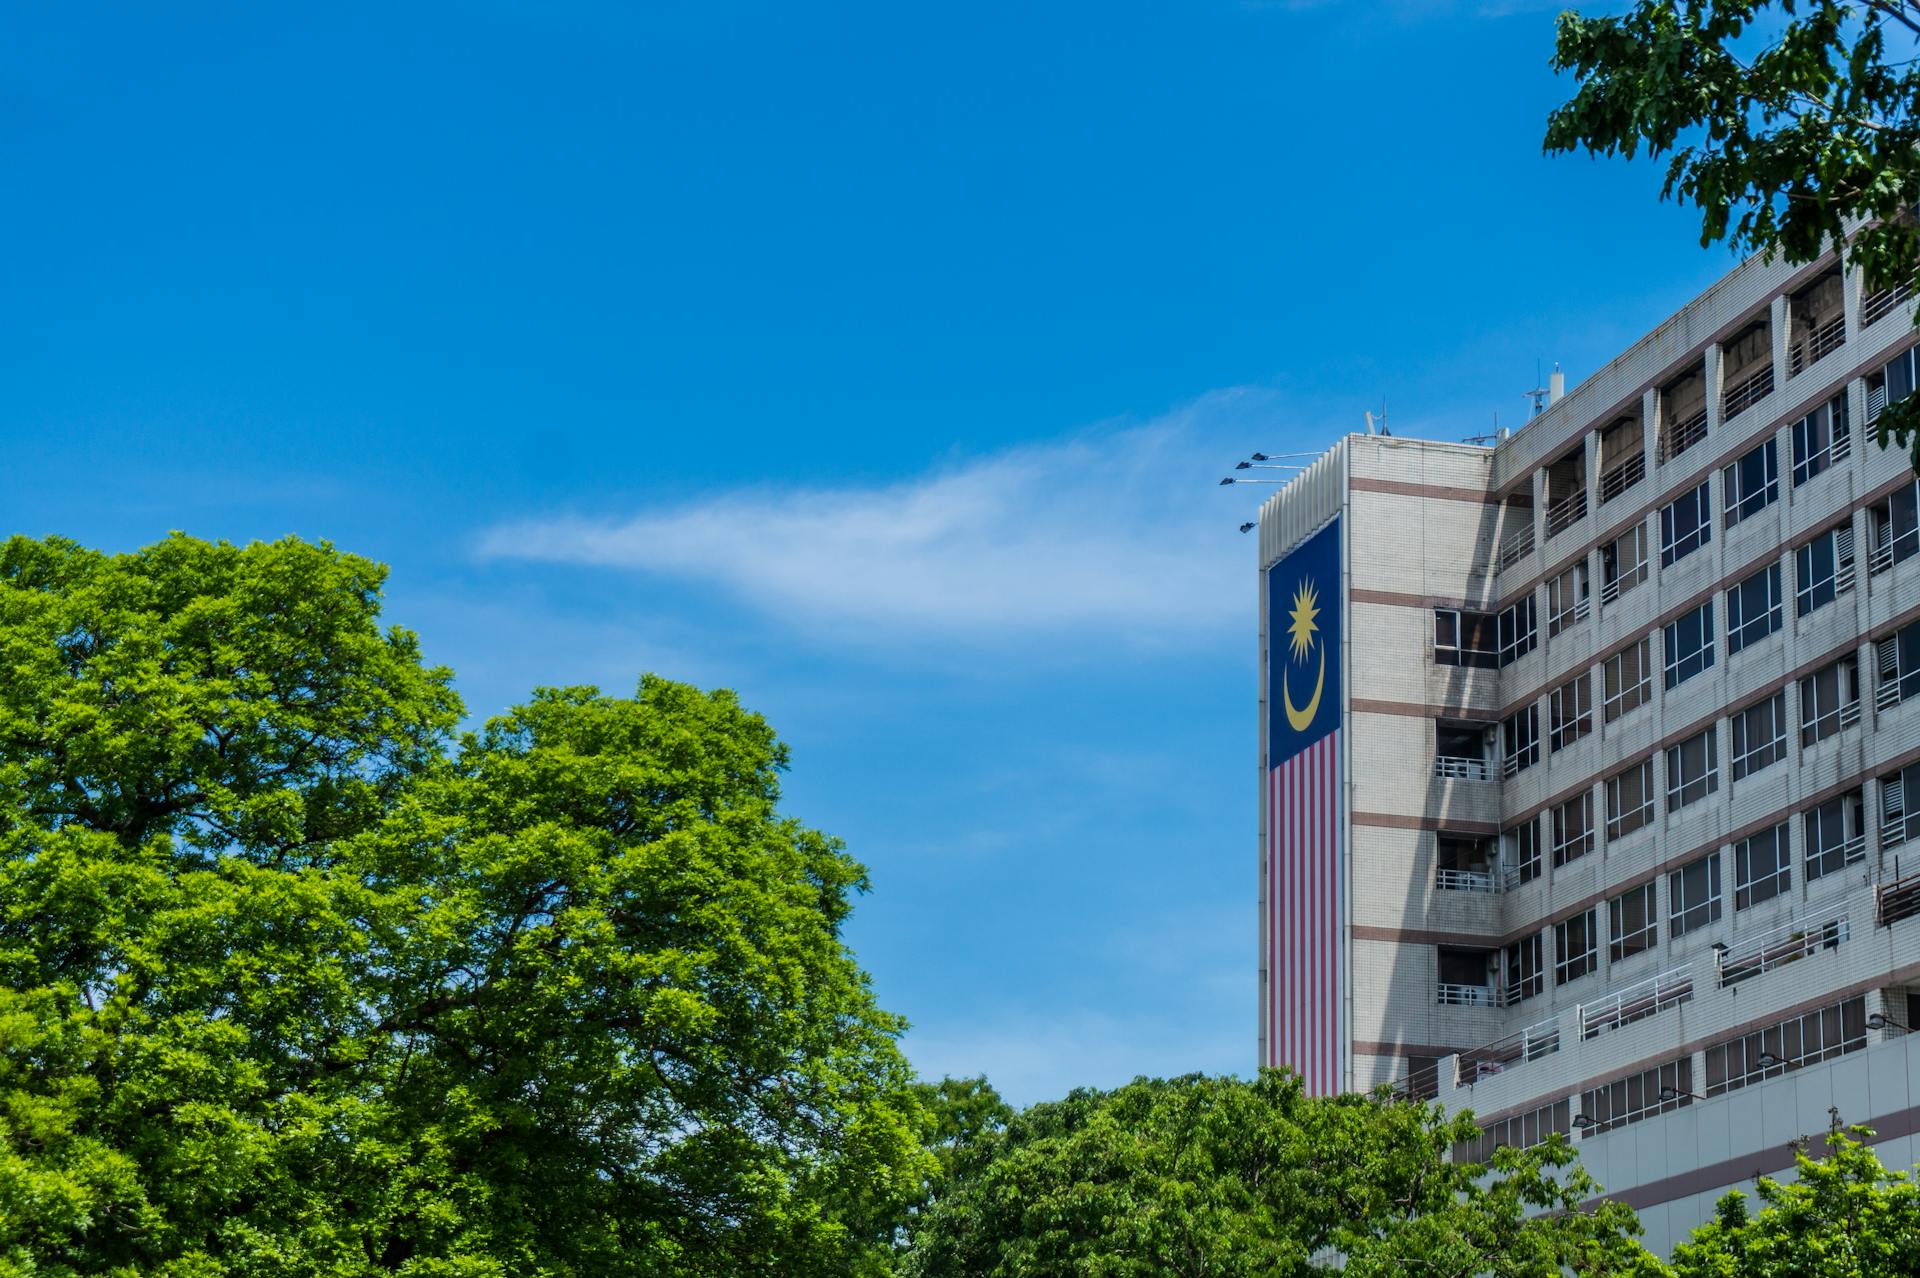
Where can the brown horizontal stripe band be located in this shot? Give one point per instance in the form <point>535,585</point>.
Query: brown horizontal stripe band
<point>1399,821</point>
<point>1407,488</point>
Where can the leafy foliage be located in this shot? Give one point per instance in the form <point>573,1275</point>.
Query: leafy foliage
<point>1214,1176</point>
<point>1792,125</point>
<point>1846,1216</point>
<point>295,981</point>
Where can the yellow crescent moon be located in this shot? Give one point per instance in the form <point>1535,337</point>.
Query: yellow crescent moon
<point>1303,719</point>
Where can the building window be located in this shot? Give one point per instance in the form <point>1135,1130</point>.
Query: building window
<point>1517,1131</point>
<point>1755,609</point>
<point>1520,734</point>
<point>1760,735</point>
<point>1794,1043</point>
<point>1623,563</point>
<point>1628,675</point>
<point>1899,806</point>
<point>1637,1096</point>
<point>1693,770</point>
<point>1897,659</point>
<point>1633,920</point>
<point>1689,644</point>
<point>1823,569</point>
<point>1567,599</point>
<point>1464,639</point>
<point>1520,853</point>
<point>1820,439</point>
<point>1576,949</point>
<point>1834,835</point>
<point>1573,828</point>
<point>1629,799</point>
<point>1570,711</point>
<point>1525,971</point>
<point>1892,383</point>
<point>1762,867</point>
<point>1466,977</point>
<point>1829,701</point>
<point>1516,631</point>
<point>1751,484</point>
<point>1685,525</point>
<point>1895,526</point>
<point>1693,896</point>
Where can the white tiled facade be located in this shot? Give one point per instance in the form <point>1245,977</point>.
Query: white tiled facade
<point>1738,904</point>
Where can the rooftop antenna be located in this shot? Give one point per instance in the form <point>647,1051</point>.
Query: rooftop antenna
<point>1489,439</point>
<point>1379,428</point>
<point>1539,392</point>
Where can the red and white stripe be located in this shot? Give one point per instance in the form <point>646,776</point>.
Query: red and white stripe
<point>1304,889</point>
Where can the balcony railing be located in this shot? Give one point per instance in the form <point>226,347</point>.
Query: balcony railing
<point>1824,726</point>
<point>1637,1001</point>
<point>1883,556</point>
<point>1681,436</point>
<point>1466,880</point>
<point>1788,943</point>
<point>1878,304</point>
<point>1896,830</point>
<point>1518,544</point>
<point>1622,477</point>
<point>1897,899</point>
<point>1889,694</point>
<point>1747,393</point>
<point>1452,994</point>
<point>1452,767</point>
<point>1422,1084</point>
<point>1517,1048</point>
<point>1820,341</point>
<point>1563,513</point>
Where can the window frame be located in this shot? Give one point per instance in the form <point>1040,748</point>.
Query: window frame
<point>1587,960</point>
<point>1686,523</point>
<point>1691,915</point>
<point>1621,820</point>
<point>1743,631</point>
<point>1678,667</point>
<point>1622,943</point>
<point>1689,778</point>
<point>1746,491</point>
<point>1751,754</point>
<point>1751,889</point>
<point>1614,670</point>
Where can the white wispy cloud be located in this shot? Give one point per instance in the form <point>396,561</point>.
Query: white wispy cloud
<point>1121,530</point>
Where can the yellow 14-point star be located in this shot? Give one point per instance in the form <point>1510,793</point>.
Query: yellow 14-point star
<point>1305,609</point>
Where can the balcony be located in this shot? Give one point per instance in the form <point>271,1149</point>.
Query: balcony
<point>1747,392</point>
<point>1566,512</point>
<point>1878,305</point>
<point>1897,899</point>
<point>1788,943</point>
<point>1821,340</point>
<point>1517,544</point>
<point>1517,1048</point>
<point>1452,994</point>
<point>1683,435</point>
<point>1622,477</point>
<point>1466,881</point>
<point>1454,768</point>
<point>1636,1002</point>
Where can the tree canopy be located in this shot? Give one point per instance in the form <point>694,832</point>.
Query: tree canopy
<point>300,979</point>
<point>1792,125</point>
<point>1218,1176</point>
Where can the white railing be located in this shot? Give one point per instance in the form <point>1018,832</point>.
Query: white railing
<point>1556,622</point>
<point>1622,477</point>
<point>1788,943</point>
<point>1636,1002</point>
<point>1518,543</point>
<point>1447,766</point>
<point>1517,1048</point>
<point>1683,435</point>
<point>1882,557</point>
<point>1820,341</point>
<point>1511,765</point>
<point>1465,880</point>
<point>1565,511</point>
<point>1841,446</point>
<point>1878,304</point>
<point>1888,695</point>
<point>1453,995</point>
<point>1894,830</point>
<point>1510,878</point>
<point>1748,393</point>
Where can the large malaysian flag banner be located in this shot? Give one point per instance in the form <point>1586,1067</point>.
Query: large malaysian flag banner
<point>1306,907</point>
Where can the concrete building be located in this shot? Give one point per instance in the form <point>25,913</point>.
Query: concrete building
<point>1612,823</point>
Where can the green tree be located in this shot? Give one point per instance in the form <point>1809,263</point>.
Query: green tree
<point>1846,1216</point>
<point>1792,125</point>
<point>1218,1176</point>
<point>294,980</point>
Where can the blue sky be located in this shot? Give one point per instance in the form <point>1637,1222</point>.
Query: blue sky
<point>878,361</point>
